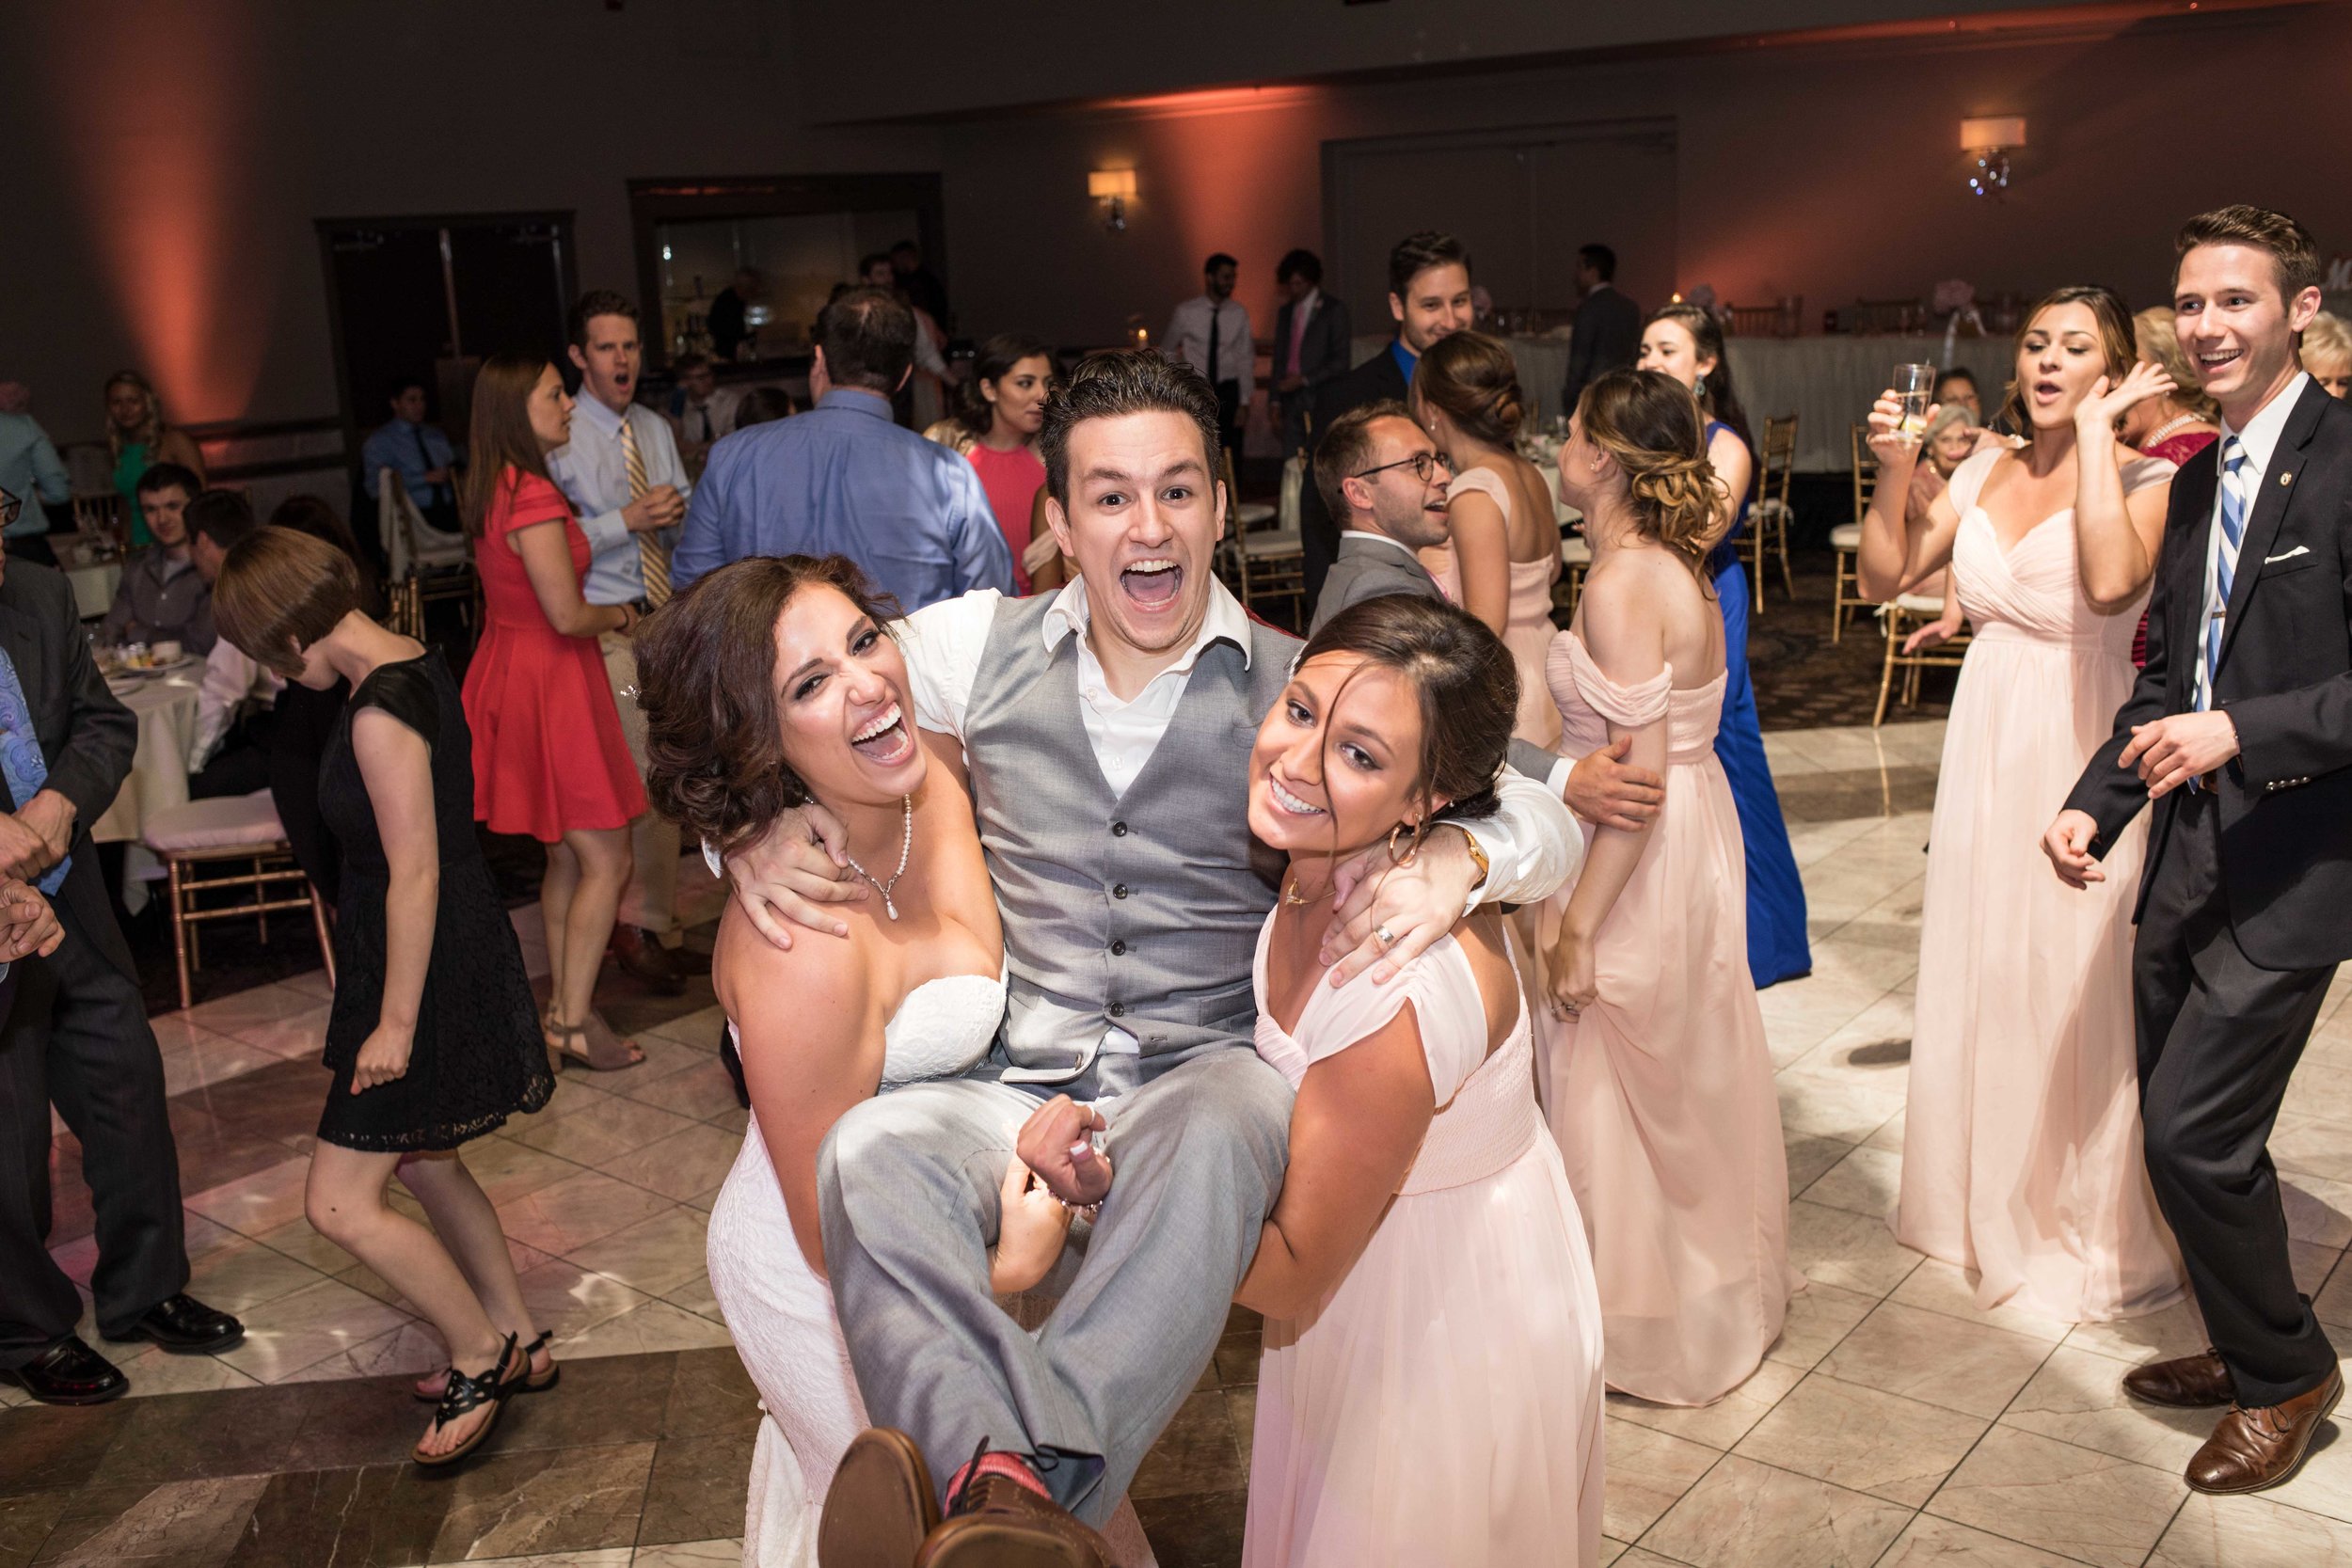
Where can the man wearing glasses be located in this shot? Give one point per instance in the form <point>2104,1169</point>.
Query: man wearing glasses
<point>1386,481</point>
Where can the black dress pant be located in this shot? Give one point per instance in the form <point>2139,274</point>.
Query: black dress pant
<point>77,1037</point>
<point>1230,413</point>
<point>2218,1038</point>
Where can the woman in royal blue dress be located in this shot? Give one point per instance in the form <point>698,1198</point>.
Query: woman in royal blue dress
<point>1687,343</point>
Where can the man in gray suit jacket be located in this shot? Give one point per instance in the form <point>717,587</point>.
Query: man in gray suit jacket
<point>1386,481</point>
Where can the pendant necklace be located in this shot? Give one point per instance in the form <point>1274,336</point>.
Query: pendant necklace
<point>906,842</point>
<point>1290,896</point>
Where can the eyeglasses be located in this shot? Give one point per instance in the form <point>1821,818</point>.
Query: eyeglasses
<point>1423,463</point>
<point>11,505</point>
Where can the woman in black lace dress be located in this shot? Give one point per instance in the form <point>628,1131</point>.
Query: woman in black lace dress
<point>434,1039</point>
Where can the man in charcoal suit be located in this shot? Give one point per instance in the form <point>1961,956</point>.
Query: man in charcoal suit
<point>2239,731</point>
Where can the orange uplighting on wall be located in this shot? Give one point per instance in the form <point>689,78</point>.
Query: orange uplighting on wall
<point>151,114</point>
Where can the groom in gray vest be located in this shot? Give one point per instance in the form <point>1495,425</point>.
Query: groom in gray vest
<point>1107,731</point>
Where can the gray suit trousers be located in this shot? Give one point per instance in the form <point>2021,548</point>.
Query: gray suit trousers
<point>907,1187</point>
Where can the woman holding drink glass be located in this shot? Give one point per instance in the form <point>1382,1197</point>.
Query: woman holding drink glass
<point>2022,1142</point>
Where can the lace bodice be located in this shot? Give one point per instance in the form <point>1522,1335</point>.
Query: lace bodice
<point>1487,1114</point>
<point>2033,589</point>
<point>1589,702</point>
<point>942,1028</point>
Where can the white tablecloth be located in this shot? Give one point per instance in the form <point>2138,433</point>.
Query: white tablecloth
<point>165,707</point>
<point>94,587</point>
<point>1829,383</point>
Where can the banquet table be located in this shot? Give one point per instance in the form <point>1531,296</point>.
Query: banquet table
<point>1828,384</point>
<point>165,707</point>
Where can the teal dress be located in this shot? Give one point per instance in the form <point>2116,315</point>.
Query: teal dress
<point>129,468</point>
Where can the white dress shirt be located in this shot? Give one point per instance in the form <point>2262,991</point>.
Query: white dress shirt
<point>1236,350</point>
<point>592,473</point>
<point>230,681</point>
<point>2261,440</point>
<point>1532,844</point>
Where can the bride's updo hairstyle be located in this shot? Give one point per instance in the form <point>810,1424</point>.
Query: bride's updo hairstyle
<point>1468,685</point>
<point>1472,380</point>
<point>1651,424</point>
<point>706,686</point>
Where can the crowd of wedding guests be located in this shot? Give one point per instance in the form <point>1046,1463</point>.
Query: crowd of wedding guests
<point>1101,955</point>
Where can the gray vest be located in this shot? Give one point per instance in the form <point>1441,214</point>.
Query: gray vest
<point>1139,911</point>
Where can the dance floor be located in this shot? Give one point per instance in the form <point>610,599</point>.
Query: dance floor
<point>1894,1423</point>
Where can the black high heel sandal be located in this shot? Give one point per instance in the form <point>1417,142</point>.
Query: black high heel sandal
<point>532,1383</point>
<point>467,1394</point>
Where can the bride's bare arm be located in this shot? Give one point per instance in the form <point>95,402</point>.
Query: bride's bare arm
<point>1355,1128</point>
<point>812,1047</point>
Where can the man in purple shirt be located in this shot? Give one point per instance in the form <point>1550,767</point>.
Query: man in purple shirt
<point>842,479</point>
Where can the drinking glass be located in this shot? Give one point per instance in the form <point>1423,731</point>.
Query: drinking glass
<point>1914,385</point>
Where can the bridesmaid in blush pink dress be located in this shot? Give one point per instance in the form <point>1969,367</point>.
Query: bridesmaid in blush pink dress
<point>2022,1140</point>
<point>1654,1066</point>
<point>1430,1391</point>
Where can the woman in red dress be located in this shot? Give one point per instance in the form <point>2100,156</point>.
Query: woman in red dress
<point>548,757</point>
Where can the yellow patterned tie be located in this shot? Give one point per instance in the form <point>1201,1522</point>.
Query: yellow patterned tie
<point>649,556</point>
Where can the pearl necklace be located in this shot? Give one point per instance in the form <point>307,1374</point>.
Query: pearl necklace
<point>2166,429</point>
<point>906,842</point>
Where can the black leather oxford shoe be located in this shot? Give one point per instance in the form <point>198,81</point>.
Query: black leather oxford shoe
<point>185,1326</point>
<point>70,1373</point>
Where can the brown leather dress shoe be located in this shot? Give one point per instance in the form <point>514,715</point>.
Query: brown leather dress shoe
<point>2189,1382</point>
<point>995,1521</point>
<point>641,956</point>
<point>879,1506</point>
<point>2252,1449</point>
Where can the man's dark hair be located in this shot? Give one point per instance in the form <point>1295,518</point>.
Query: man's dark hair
<point>1218,258</point>
<point>871,259</point>
<point>165,476</point>
<point>1417,253</point>
<point>1346,448</point>
<point>1116,383</point>
<point>1600,258</point>
<point>224,516</point>
<point>868,337</point>
<point>1299,264</point>
<point>398,386</point>
<point>686,363</point>
<point>910,248</point>
<point>2293,251</point>
<point>595,303</point>
<point>1956,373</point>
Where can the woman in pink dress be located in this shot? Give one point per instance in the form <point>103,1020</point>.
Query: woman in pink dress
<point>1430,1391</point>
<point>1655,1069</point>
<point>1505,551</point>
<point>2022,1143</point>
<point>1005,408</point>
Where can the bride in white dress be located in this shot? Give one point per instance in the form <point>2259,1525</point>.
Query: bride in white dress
<point>742,727</point>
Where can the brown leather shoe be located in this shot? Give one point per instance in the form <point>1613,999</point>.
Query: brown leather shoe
<point>2190,1382</point>
<point>2252,1449</point>
<point>643,957</point>
<point>879,1506</point>
<point>995,1521</point>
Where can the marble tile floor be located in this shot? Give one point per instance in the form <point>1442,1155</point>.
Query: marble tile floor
<point>1894,1423</point>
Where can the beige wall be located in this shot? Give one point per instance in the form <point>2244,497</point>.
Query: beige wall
<point>164,162</point>
<point>1834,173</point>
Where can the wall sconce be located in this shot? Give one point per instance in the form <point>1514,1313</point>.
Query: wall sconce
<point>1112,187</point>
<point>1991,139</point>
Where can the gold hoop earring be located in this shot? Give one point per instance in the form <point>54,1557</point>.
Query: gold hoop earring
<point>1410,851</point>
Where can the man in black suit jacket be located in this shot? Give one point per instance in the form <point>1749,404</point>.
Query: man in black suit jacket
<point>77,1035</point>
<point>1306,358</point>
<point>1608,330</point>
<point>1429,296</point>
<point>2239,729</point>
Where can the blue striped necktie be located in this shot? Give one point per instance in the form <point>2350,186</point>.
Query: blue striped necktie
<point>2225,563</point>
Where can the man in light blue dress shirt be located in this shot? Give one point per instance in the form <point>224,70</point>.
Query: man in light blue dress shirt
<point>842,479</point>
<point>31,471</point>
<point>418,453</point>
<point>617,511</point>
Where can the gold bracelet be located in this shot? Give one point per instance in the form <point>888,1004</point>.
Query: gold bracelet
<point>1477,855</point>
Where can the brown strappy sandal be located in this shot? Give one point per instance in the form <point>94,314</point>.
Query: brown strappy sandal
<point>598,1048</point>
<point>467,1393</point>
<point>532,1383</point>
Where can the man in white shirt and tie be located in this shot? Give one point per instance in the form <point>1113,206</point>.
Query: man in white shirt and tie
<point>622,473</point>
<point>1211,333</point>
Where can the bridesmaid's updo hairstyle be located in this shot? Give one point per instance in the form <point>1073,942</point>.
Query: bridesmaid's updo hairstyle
<point>1472,380</point>
<point>706,686</point>
<point>280,591</point>
<point>1468,685</point>
<point>1651,424</point>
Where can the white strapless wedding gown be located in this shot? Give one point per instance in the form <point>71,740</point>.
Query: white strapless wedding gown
<point>781,1314</point>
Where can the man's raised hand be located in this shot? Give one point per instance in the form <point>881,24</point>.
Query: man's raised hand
<point>783,877</point>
